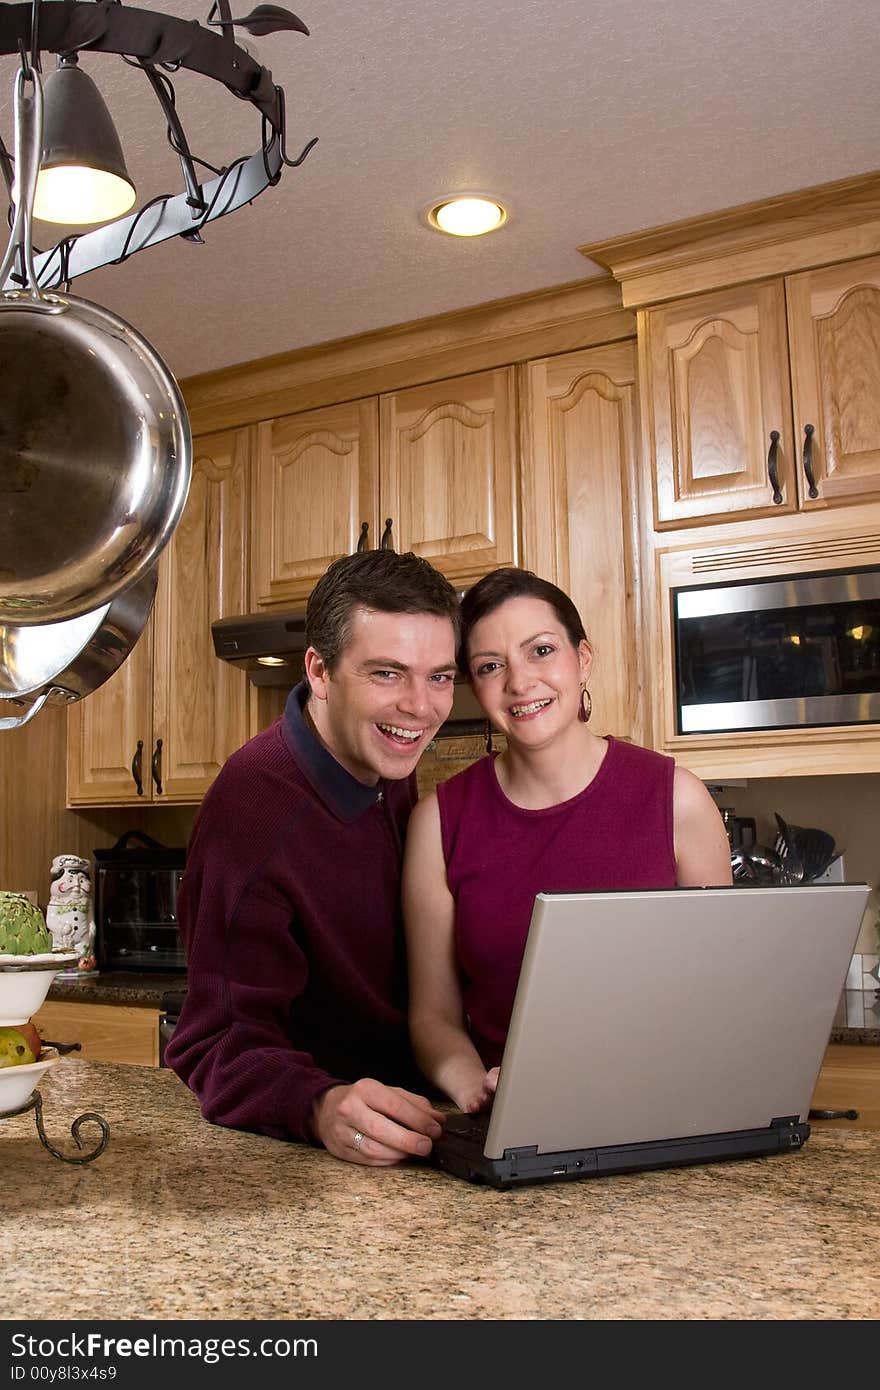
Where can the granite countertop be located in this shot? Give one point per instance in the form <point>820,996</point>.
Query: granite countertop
<point>118,987</point>
<point>180,1219</point>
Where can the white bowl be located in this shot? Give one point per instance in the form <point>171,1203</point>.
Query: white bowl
<point>17,1083</point>
<point>23,988</point>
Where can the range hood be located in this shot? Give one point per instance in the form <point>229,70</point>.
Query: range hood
<point>270,646</point>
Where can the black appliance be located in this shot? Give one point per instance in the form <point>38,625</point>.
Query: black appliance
<point>171,1004</point>
<point>136,886</point>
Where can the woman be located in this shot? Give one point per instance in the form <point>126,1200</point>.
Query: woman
<point>560,810</point>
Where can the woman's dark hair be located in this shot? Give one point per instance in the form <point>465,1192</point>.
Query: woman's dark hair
<point>380,580</point>
<point>499,586</point>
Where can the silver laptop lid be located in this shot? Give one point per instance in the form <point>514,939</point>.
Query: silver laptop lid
<point>645,1016</point>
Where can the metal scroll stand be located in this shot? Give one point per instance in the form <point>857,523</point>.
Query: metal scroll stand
<point>90,1117</point>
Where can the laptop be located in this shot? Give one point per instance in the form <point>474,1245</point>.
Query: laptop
<point>657,1028</point>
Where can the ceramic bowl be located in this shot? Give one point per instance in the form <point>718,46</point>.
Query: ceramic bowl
<point>17,1083</point>
<point>24,984</point>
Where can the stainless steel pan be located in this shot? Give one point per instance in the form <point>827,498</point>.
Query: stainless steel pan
<point>95,443</point>
<point>61,662</point>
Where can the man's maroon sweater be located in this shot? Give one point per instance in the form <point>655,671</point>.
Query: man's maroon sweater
<point>289,908</point>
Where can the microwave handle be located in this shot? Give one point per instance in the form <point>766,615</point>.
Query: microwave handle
<point>773,467</point>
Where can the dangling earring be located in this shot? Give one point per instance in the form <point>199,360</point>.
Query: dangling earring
<point>586,706</point>
<point>489,748</point>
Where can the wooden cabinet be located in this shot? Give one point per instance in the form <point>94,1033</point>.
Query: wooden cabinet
<point>437,462</point>
<point>579,510</point>
<point>849,1080</point>
<point>315,487</point>
<point>106,1032</point>
<point>763,399</point>
<point>161,728</point>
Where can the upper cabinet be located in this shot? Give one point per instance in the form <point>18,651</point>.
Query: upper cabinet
<point>161,728</point>
<point>580,513</point>
<point>834,334</point>
<point>447,473</point>
<point>748,419</point>
<point>429,469</point>
<point>719,402</point>
<point>315,495</point>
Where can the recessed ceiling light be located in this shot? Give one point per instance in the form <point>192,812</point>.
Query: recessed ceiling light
<point>467,216</point>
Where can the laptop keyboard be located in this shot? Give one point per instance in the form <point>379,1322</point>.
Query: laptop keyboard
<point>468,1126</point>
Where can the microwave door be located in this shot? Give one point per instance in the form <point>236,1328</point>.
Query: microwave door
<point>782,653</point>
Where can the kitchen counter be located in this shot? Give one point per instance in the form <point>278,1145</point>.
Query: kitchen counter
<point>181,1219</point>
<point>118,987</point>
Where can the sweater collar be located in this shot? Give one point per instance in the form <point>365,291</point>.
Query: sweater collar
<point>341,793</point>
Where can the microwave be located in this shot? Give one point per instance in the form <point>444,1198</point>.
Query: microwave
<point>794,651</point>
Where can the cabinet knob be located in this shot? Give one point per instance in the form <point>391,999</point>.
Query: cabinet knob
<point>387,541</point>
<point>137,767</point>
<point>809,431</point>
<point>773,466</point>
<point>156,766</point>
<point>362,539</point>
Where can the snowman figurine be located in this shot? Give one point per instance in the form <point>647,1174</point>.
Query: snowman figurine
<point>69,915</point>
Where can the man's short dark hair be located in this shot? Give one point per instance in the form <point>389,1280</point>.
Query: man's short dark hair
<point>496,588</point>
<point>380,580</point>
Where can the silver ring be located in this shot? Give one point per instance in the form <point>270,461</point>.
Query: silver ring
<point>358,1139</point>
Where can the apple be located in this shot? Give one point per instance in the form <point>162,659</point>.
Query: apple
<point>19,1046</point>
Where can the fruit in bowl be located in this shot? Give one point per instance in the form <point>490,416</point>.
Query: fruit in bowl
<point>19,1047</point>
<point>27,961</point>
<point>23,930</point>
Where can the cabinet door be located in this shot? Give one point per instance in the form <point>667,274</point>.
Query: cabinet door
<point>448,472</point>
<point>834,330</point>
<point>315,485</point>
<point>200,704</point>
<point>579,513</point>
<point>717,390</point>
<point>104,731</point>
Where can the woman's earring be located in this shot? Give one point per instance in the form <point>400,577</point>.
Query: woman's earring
<point>586,705</point>
<point>489,748</point>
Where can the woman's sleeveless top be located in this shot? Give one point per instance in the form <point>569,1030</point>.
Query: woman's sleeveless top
<point>616,833</point>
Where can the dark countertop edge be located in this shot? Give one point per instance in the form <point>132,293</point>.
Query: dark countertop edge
<point>138,990</point>
<point>869,1037</point>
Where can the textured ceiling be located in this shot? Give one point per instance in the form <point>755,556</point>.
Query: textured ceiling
<point>590,118</point>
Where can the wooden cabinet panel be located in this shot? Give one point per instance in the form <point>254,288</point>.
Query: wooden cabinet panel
<point>200,704</point>
<point>187,710</point>
<point>849,1080</point>
<point>834,332</point>
<point>447,472</point>
<point>579,513</point>
<point>104,732</point>
<point>107,1032</point>
<point>718,388</point>
<point>315,484</point>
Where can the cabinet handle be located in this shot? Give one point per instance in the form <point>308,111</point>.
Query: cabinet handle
<point>137,767</point>
<point>387,541</point>
<point>809,431</point>
<point>362,539</point>
<point>773,467</point>
<point>156,766</point>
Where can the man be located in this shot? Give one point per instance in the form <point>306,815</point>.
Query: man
<point>294,1022</point>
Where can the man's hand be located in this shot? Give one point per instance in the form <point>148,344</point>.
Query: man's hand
<point>374,1124</point>
<point>478,1095</point>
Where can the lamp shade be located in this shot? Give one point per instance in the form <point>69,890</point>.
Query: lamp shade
<point>82,177</point>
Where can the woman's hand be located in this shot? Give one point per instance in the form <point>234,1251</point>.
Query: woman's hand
<point>478,1094</point>
<point>374,1124</point>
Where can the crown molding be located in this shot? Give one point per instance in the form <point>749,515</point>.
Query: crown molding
<point>499,333</point>
<point>775,236</point>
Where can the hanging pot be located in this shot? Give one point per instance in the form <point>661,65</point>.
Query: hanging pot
<point>95,442</point>
<point>62,662</point>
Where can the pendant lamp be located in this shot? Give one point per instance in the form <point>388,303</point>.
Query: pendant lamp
<point>82,177</point>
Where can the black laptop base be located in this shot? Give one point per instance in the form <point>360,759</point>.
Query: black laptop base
<point>459,1155</point>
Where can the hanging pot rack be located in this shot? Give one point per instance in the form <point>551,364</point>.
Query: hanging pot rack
<point>159,44</point>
